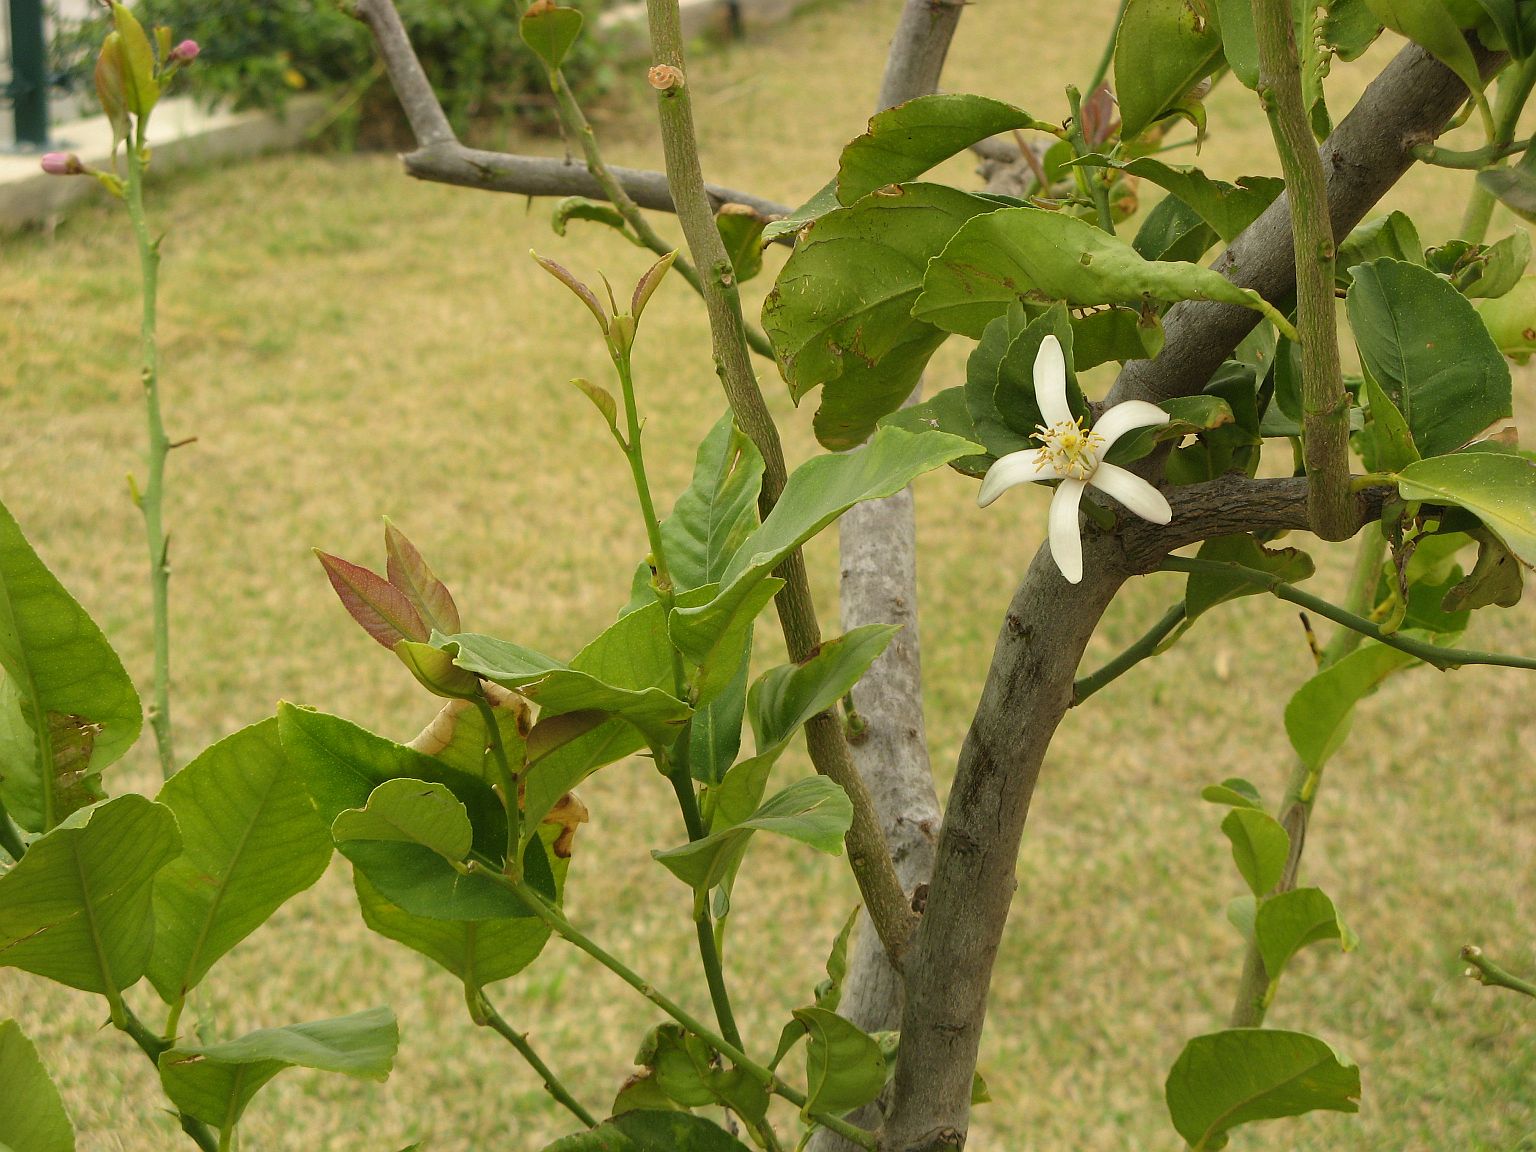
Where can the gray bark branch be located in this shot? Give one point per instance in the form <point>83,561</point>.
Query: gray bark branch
<point>440,157</point>
<point>878,543</point>
<point>1049,622</point>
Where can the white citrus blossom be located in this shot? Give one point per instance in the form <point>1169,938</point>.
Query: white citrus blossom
<point>1074,455</point>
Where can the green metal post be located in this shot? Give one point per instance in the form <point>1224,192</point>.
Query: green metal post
<point>29,74</point>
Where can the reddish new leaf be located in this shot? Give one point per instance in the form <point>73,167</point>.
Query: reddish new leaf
<point>375,603</point>
<point>409,573</point>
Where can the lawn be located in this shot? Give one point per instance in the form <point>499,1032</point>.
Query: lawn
<point>346,343</point>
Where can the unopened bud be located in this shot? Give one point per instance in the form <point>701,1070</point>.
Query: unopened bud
<point>665,78</point>
<point>63,164</point>
<point>185,52</point>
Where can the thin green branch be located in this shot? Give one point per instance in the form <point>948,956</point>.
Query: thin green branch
<point>509,781</point>
<point>1476,158</point>
<point>552,916</point>
<point>1089,176</point>
<point>10,835</point>
<point>152,1045</point>
<point>484,1013</point>
<point>576,126</point>
<point>1325,404</point>
<point>1433,654</point>
<point>1141,650</point>
<point>1514,89</point>
<point>151,500</point>
<point>868,857</point>
<point>1486,972</point>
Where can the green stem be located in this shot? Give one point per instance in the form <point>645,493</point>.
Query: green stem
<point>1432,654</point>
<point>152,1046</point>
<point>1486,972</point>
<point>1514,89</point>
<point>576,125</point>
<point>1361,596</point>
<point>765,1076</point>
<point>10,837</point>
<point>1090,176</point>
<point>1142,649</point>
<point>1325,404</point>
<point>1108,56</point>
<point>484,1013</point>
<point>868,857</point>
<point>173,1018</point>
<point>151,500</point>
<point>1476,158</point>
<point>226,1136</point>
<point>509,785</point>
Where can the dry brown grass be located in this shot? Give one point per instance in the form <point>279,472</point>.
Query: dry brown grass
<point>346,343</point>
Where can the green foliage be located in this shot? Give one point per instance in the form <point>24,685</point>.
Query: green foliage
<point>651,1131</point>
<point>77,907</point>
<point>1236,1077</point>
<point>844,1067</point>
<point>1162,50</point>
<point>1430,24</point>
<point>215,1082</point>
<point>67,707</point>
<point>1259,847</point>
<point>1204,590</point>
<point>1499,488</point>
<point>1319,715</point>
<point>551,31</point>
<point>1288,921</point>
<point>250,840</point>
<point>32,1116</point>
<point>1227,208</point>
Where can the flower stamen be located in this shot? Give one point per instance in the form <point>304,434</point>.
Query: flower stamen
<point>1069,447</point>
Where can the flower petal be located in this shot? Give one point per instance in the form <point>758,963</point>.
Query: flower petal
<point>1124,417</point>
<point>1014,468</point>
<point>1132,491</point>
<point>1066,544</point>
<point>1051,383</point>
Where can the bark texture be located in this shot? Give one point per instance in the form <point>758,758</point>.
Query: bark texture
<point>1029,685</point>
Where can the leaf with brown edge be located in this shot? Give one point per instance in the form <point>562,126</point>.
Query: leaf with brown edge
<point>409,572</point>
<point>567,813</point>
<point>382,609</point>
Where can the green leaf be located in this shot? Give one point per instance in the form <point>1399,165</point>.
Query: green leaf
<point>829,993</point>
<point>1289,921</point>
<point>1162,50</point>
<point>549,30</point>
<point>817,493</point>
<point>1516,22</point>
<point>140,89</point>
<point>1386,441</point>
<point>945,411</point>
<point>715,737</point>
<point>1259,847</point>
<point>76,908</point>
<point>823,201</point>
<point>341,764</point>
<point>435,671</point>
<point>1429,351</point>
<point>1318,717</point>
<point>411,840</point>
<point>1173,231</point>
<point>688,1072</point>
<point>1204,591</point>
<point>1028,253</point>
<point>1235,1077</point>
<point>981,373</point>
<point>1227,208</point>
<point>741,229</point>
<point>1234,792</point>
<point>558,687</point>
<point>1187,416</point>
<point>1349,28</point>
<point>1499,488</point>
<point>32,1116</point>
<point>844,1067</point>
<point>1511,319</point>
<point>1496,270</point>
<point>785,698</point>
<point>651,1131</point>
<point>814,811</point>
<point>215,1082</point>
<point>250,840</point>
<point>1013,394</point>
<point>1389,237</point>
<point>477,952</point>
<point>1116,333</point>
<point>1430,24</point>
<point>72,710</point>
<point>840,313</point>
<point>571,208</point>
<point>457,736</point>
<point>1514,187</point>
<point>903,142</point>
<point>1496,578</point>
<point>717,511</point>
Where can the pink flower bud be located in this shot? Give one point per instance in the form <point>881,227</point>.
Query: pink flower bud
<point>185,52</point>
<point>62,164</point>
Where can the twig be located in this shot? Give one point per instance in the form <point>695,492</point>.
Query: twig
<point>484,1013</point>
<point>152,1046</point>
<point>1325,404</point>
<point>867,855</point>
<point>1433,654</point>
<point>1141,650</point>
<point>1486,972</point>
